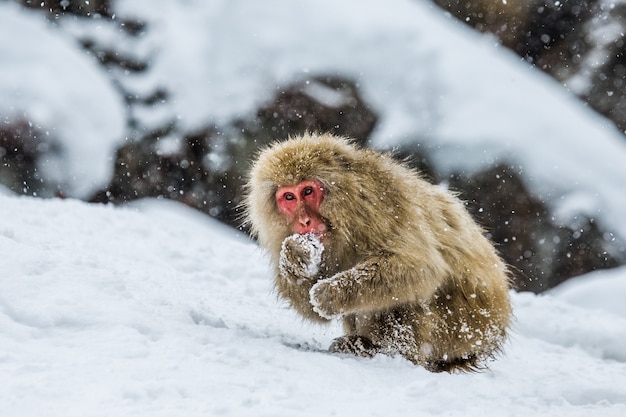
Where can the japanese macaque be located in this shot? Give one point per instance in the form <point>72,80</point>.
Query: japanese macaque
<point>356,235</point>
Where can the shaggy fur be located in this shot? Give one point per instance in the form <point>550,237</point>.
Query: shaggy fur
<point>404,265</point>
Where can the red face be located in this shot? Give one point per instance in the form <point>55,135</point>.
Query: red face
<point>300,204</point>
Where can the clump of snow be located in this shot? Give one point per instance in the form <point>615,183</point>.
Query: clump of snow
<point>48,80</point>
<point>307,245</point>
<point>157,310</point>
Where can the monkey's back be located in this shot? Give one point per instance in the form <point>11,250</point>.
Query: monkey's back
<point>466,318</point>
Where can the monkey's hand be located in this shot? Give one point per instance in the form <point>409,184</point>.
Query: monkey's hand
<point>349,290</point>
<point>324,298</point>
<point>300,256</point>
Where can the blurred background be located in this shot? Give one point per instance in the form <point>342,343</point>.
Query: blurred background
<point>517,105</point>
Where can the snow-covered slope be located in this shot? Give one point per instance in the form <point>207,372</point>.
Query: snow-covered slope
<point>156,310</point>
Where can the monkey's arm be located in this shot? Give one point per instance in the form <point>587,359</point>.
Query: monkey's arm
<point>375,284</point>
<point>298,267</point>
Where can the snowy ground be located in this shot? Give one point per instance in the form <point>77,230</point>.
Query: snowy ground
<point>156,310</point>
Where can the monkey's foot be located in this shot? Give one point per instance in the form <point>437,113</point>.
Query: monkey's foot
<point>354,345</point>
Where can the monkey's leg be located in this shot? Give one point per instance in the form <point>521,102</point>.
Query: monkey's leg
<point>354,345</point>
<point>466,330</point>
<point>387,332</point>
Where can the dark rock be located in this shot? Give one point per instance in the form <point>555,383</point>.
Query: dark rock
<point>554,35</point>
<point>601,76</point>
<point>83,8</point>
<point>509,21</point>
<point>22,147</point>
<point>413,156</point>
<point>567,39</point>
<point>327,104</point>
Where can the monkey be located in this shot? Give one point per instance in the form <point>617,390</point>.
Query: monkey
<point>354,234</point>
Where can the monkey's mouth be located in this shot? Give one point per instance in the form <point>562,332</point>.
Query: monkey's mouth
<point>320,232</point>
<point>321,236</point>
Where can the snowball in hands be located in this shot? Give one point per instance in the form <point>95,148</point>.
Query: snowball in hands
<point>301,255</point>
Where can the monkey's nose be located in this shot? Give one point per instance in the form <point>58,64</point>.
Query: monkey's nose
<point>305,221</point>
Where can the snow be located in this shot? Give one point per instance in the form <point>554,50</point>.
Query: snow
<point>604,285</point>
<point>155,309</point>
<point>307,244</point>
<point>430,78</point>
<point>47,79</point>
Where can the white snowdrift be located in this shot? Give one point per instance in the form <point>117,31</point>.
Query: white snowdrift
<point>155,310</point>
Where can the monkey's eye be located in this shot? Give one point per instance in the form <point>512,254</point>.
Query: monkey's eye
<point>289,196</point>
<point>307,191</point>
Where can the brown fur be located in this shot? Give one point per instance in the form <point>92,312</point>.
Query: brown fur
<point>404,264</point>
